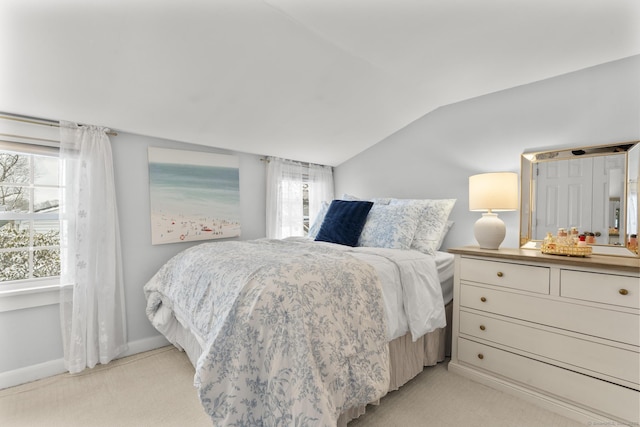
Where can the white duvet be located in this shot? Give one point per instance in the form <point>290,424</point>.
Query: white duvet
<point>293,332</point>
<point>411,287</point>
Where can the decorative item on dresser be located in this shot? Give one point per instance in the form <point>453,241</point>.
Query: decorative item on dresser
<point>561,332</point>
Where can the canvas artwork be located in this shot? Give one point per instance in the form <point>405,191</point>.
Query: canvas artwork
<point>193,195</point>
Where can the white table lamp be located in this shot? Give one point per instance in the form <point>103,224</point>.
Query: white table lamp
<point>491,192</point>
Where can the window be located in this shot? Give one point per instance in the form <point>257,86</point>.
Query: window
<point>295,192</point>
<point>295,196</point>
<point>305,206</point>
<point>29,205</point>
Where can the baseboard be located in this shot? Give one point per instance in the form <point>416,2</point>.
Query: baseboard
<point>31,373</point>
<point>54,367</point>
<point>145,344</point>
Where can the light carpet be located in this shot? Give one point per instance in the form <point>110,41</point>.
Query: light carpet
<point>155,388</point>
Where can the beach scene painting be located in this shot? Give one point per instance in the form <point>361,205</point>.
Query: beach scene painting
<point>193,196</point>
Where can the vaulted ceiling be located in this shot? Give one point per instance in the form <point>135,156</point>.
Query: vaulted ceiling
<point>311,80</point>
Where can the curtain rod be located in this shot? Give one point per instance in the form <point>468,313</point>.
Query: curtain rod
<point>307,164</point>
<point>42,122</point>
<point>266,160</point>
<point>8,135</point>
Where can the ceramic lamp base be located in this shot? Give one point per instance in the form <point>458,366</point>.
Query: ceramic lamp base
<point>489,231</point>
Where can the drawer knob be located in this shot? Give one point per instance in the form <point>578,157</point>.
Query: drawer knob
<point>482,328</point>
<point>483,299</point>
<point>480,356</point>
<point>500,274</point>
<point>623,292</point>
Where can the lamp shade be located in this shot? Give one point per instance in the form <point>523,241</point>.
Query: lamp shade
<point>496,191</point>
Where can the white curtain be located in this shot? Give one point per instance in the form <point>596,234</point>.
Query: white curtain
<point>284,198</point>
<point>284,195</point>
<point>320,188</point>
<point>92,309</point>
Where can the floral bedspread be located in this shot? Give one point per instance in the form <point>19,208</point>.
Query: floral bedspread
<point>292,333</point>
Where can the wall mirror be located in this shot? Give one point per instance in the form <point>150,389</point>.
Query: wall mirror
<point>592,188</point>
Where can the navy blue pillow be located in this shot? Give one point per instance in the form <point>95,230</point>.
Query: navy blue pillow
<point>344,222</point>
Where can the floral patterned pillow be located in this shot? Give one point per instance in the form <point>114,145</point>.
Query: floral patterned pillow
<point>378,200</point>
<point>444,234</point>
<point>433,222</point>
<point>390,226</point>
<point>317,222</point>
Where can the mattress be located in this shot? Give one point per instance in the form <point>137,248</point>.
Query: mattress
<point>444,264</point>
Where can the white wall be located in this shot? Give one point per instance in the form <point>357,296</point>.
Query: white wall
<point>434,156</point>
<point>141,259</point>
<point>30,339</point>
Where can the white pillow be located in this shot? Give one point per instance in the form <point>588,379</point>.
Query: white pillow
<point>349,197</point>
<point>444,234</point>
<point>390,226</point>
<point>433,223</point>
<point>317,222</point>
<point>379,200</point>
<point>382,200</point>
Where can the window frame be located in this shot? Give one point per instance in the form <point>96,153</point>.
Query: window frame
<point>33,291</point>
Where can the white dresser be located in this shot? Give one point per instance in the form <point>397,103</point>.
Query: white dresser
<point>562,332</point>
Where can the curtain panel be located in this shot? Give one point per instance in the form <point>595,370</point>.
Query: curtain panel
<point>92,308</point>
<point>321,188</point>
<point>285,178</point>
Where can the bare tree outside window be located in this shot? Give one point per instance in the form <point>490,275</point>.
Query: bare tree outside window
<point>15,170</point>
<point>29,228</point>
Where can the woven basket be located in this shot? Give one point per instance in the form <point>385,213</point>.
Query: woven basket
<point>566,250</point>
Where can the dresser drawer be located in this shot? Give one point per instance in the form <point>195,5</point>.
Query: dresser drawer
<point>591,356</point>
<point>598,322</point>
<point>604,288</point>
<point>601,396</point>
<point>516,276</point>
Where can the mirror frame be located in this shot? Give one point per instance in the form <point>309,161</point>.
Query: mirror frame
<point>631,177</point>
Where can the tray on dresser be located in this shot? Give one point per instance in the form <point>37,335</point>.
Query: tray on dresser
<point>566,250</point>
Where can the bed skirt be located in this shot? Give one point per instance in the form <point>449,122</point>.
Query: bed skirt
<point>407,359</point>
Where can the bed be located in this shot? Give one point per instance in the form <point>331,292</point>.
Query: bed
<point>303,330</point>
